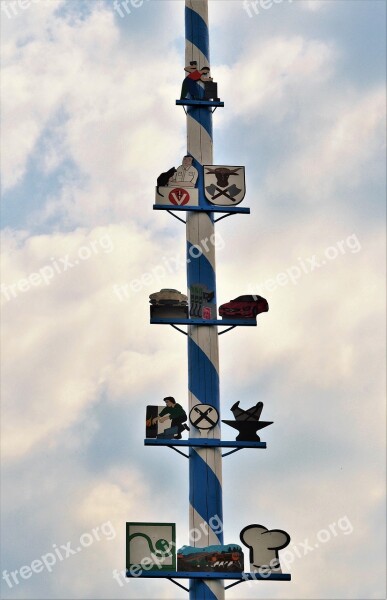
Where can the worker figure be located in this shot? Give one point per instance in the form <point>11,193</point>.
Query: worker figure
<point>176,413</point>
<point>190,87</point>
<point>186,175</point>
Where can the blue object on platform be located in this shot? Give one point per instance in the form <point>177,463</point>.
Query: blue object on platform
<point>209,208</point>
<point>224,322</point>
<point>199,103</point>
<point>203,442</point>
<point>209,575</point>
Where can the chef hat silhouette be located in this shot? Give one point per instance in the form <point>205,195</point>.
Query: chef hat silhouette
<point>264,545</point>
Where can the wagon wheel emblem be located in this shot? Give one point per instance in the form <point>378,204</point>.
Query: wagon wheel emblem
<point>204,416</point>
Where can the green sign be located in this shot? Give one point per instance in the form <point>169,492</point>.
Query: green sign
<point>150,547</point>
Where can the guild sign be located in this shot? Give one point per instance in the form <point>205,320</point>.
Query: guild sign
<point>201,302</point>
<point>225,558</point>
<point>179,197</point>
<point>247,422</point>
<point>204,417</point>
<point>150,546</point>
<point>263,545</point>
<point>224,186</point>
<point>206,313</point>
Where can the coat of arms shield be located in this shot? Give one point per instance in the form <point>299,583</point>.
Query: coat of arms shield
<point>224,186</point>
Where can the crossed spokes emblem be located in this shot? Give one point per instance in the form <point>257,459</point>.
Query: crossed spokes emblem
<point>204,416</point>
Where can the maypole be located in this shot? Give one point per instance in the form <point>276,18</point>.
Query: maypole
<point>205,464</point>
<point>202,191</point>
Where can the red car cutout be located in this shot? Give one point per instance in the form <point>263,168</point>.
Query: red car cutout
<point>247,307</point>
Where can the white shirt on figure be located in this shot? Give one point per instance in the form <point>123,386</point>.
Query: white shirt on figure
<point>186,176</point>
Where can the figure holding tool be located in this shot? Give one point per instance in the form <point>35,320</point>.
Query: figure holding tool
<point>176,413</point>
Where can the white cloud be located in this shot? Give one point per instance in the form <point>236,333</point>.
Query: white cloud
<point>344,148</point>
<point>73,347</point>
<point>313,5</point>
<point>271,73</point>
<point>107,125</point>
<point>65,336</point>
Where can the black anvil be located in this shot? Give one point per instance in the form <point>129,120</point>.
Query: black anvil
<point>247,422</point>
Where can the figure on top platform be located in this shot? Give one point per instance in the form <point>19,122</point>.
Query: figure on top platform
<point>191,90</point>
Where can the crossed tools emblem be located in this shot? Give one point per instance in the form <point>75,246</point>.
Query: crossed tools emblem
<point>222,186</point>
<point>230,192</point>
<point>204,416</point>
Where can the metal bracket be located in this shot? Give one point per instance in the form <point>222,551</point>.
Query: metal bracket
<point>232,451</point>
<point>187,455</point>
<point>209,108</point>
<point>178,451</point>
<point>227,587</point>
<point>179,584</point>
<point>178,329</point>
<point>219,333</point>
<point>176,217</point>
<point>226,330</point>
<point>230,214</point>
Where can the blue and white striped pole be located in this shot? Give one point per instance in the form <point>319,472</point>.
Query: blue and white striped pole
<point>205,464</point>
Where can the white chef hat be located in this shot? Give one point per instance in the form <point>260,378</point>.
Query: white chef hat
<point>262,543</point>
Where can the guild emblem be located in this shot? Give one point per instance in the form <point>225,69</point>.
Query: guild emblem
<point>204,417</point>
<point>224,186</point>
<point>179,197</point>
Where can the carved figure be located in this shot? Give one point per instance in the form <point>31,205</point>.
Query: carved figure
<point>186,175</point>
<point>163,179</point>
<point>190,87</point>
<point>176,413</point>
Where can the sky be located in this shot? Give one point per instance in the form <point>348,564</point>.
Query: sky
<point>88,123</point>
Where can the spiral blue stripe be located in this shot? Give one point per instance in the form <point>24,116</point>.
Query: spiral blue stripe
<point>200,269</point>
<point>203,116</point>
<point>206,500</point>
<point>202,197</point>
<point>199,591</point>
<point>203,379</point>
<point>200,187</point>
<point>205,387</point>
<point>196,32</point>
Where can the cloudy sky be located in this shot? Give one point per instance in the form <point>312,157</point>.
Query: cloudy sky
<point>89,122</point>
